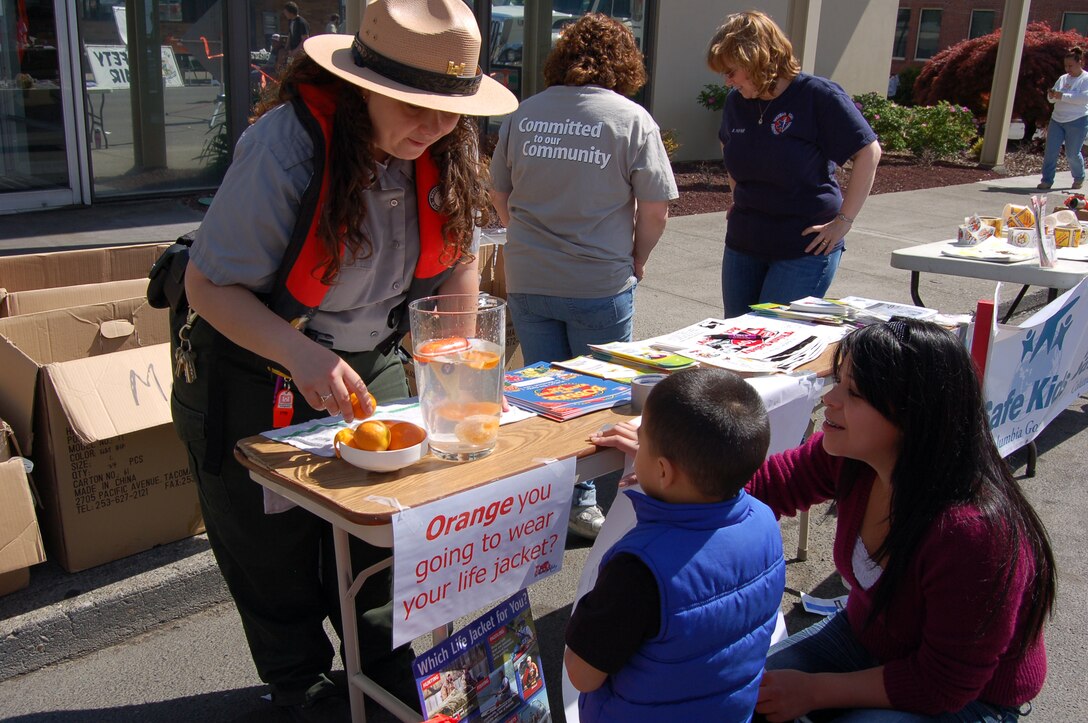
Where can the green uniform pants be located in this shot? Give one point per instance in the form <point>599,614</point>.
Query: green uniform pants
<point>280,568</point>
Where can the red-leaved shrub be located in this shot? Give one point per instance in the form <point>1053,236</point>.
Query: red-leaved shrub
<point>963,73</point>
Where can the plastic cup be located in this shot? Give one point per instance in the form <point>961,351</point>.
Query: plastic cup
<point>457,346</point>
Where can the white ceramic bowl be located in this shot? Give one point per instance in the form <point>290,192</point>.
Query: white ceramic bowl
<point>388,461</point>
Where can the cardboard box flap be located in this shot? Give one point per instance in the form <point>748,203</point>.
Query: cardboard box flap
<point>107,396</point>
<point>36,300</point>
<point>73,333</point>
<point>86,266</point>
<point>20,539</point>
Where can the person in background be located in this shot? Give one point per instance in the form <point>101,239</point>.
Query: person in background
<point>333,162</point>
<point>333,25</point>
<point>678,623</point>
<point>1068,121</point>
<point>582,181</point>
<point>782,133</point>
<point>297,29</point>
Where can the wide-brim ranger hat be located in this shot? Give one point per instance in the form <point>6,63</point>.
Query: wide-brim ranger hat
<point>423,52</point>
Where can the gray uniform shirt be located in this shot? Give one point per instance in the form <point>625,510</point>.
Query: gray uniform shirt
<point>246,231</point>
<point>573,160</point>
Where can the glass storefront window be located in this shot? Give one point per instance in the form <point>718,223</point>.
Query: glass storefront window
<point>155,95</point>
<point>33,147</point>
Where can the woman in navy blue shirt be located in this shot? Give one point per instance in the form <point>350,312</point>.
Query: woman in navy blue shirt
<point>782,133</point>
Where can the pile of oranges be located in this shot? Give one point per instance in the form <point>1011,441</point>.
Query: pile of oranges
<point>380,435</point>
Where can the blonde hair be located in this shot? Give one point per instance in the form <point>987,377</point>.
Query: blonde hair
<point>751,41</point>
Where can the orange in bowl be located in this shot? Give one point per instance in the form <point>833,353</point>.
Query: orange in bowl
<point>372,436</point>
<point>390,458</point>
<point>405,434</point>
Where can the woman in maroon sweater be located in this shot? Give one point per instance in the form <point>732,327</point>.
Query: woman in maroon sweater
<point>950,570</point>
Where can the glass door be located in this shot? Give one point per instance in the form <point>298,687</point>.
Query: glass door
<point>39,158</point>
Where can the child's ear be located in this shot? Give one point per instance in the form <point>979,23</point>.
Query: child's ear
<point>668,472</point>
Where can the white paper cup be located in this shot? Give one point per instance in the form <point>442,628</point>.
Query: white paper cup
<point>640,389</point>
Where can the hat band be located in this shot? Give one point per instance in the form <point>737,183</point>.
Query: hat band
<point>398,72</point>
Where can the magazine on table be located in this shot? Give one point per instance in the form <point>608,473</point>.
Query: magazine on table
<point>560,394</point>
<point>490,670</point>
<point>751,343</point>
<point>642,353</point>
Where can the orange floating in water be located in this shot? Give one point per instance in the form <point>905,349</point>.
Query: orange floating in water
<point>457,411</point>
<point>477,429</point>
<point>480,360</point>
<point>440,347</point>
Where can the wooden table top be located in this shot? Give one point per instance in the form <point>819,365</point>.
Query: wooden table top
<point>355,494</point>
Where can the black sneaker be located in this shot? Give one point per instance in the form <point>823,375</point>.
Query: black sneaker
<point>1077,183</point>
<point>1044,186</point>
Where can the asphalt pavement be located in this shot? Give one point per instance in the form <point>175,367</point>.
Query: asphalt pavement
<point>155,636</point>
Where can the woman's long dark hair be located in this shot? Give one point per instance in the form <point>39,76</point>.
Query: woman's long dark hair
<point>921,379</point>
<point>352,169</point>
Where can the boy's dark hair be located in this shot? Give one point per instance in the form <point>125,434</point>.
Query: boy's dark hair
<point>291,8</point>
<point>711,424</point>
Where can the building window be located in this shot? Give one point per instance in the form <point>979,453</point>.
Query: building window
<point>982,23</point>
<point>902,26</point>
<point>1075,21</point>
<point>929,33</point>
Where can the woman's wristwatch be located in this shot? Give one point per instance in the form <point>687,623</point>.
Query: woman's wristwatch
<point>844,217</point>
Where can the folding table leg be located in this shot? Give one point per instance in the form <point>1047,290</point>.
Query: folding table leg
<point>802,536</point>
<point>359,684</point>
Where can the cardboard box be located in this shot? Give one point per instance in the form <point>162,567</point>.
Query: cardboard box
<point>31,301</point>
<point>69,268</point>
<point>20,538</point>
<point>87,392</point>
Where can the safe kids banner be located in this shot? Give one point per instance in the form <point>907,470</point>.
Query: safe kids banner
<point>1035,370</point>
<point>488,671</point>
<point>459,554</point>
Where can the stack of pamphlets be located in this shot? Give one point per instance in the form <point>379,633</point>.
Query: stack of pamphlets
<point>751,344</point>
<point>599,368</point>
<point>641,356</point>
<point>559,394</point>
<point>816,305</point>
<point>884,310</point>
<point>781,311</point>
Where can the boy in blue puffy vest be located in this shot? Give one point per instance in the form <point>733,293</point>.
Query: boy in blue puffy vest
<point>680,620</point>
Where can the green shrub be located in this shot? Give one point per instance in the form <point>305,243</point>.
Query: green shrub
<point>888,120</point>
<point>929,132</point>
<point>712,96</point>
<point>940,131</point>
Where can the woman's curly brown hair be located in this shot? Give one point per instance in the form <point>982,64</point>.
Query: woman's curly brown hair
<point>352,170</point>
<point>596,50</point>
<point>751,41</point>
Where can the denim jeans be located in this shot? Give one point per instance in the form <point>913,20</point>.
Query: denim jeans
<point>554,328</point>
<point>748,280</point>
<point>830,646</point>
<point>1072,134</point>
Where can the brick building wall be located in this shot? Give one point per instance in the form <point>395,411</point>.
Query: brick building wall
<point>955,21</point>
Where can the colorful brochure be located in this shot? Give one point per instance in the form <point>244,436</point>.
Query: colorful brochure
<point>560,394</point>
<point>488,671</point>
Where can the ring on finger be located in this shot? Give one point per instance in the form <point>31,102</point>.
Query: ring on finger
<point>326,397</point>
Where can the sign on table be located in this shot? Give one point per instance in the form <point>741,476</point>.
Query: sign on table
<point>1035,370</point>
<point>459,554</point>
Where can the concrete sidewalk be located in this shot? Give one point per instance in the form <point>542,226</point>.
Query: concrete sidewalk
<point>62,616</point>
